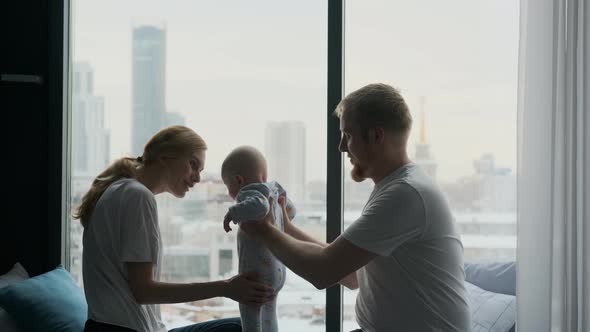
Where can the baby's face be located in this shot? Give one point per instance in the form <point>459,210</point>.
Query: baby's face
<point>233,187</point>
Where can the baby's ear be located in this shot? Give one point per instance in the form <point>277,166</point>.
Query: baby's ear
<point>239,179</point>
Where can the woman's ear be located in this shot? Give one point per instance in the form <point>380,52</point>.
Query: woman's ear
<point>162,161</point>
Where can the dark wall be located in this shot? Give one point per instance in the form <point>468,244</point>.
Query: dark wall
<point>31,43</point>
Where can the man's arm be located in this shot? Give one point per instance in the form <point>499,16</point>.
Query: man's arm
<point>321,266</point>
<point>348,281</point>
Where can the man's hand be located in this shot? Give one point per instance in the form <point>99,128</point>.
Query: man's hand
<point>286,211</point>
<point>226,220</point>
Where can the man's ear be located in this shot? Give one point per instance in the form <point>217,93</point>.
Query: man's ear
<point>240,180</point>
<point>377,135</point>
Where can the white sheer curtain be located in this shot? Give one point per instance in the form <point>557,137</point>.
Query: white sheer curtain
<point>553,282</point>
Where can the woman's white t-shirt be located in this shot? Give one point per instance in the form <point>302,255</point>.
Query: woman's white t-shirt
<point>123,228</point>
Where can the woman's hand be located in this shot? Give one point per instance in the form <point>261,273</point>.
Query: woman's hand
<point>245,288</point>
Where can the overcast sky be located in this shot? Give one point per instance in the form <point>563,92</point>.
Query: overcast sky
<point>232,66</point>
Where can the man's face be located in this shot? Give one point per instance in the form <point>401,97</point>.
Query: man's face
<point>356,148</point>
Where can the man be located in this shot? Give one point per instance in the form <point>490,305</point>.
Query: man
<point>404,247</point>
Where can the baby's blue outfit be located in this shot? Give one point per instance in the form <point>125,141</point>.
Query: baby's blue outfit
<point>252,204</point>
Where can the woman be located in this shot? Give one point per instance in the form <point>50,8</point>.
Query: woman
<point>122,246</point>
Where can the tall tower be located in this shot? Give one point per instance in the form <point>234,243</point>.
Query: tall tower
<point>149,84</point>
<point>90,140</point>
<point>285,153</point>
<point>423,157</point>
<point>90,150</point>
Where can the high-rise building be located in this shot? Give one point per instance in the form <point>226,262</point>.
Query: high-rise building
<point>90,139</point>
<point>285,153</point>
<point>423,156</point>
<point>90,150</point>
<point>149,84</point>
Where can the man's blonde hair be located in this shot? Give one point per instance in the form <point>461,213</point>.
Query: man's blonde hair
<point>377,105</point>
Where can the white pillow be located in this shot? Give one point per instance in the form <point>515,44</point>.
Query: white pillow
<point>16,274</point>
<point>490,312</point>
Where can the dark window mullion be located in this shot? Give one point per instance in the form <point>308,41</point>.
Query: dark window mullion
<point>56,82</point>
<point>334,157</point>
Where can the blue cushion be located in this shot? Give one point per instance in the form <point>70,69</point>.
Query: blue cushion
<point>497,277</point>
<point>48,302</point>
<point>490,312</point>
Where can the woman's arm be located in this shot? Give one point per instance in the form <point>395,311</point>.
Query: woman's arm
<point>242,288</point>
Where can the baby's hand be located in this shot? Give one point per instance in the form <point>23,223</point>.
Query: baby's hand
<point>226,220</point>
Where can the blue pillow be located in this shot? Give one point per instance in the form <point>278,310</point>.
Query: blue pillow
<point>490,312</point>
<point>497,277</point>
<point>48,302</point>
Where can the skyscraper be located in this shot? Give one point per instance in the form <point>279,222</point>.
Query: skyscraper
<point>149,84</point>
<point>423,157</point>
<point>90,150</point>
<point>285,154</point>
<point>90,140</point>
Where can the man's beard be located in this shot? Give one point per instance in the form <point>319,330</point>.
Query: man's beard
<point>358,173</point>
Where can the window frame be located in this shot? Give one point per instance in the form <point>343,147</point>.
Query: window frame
<point>61,33</point>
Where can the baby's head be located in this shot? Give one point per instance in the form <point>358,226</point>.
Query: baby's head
<point>243,166</point>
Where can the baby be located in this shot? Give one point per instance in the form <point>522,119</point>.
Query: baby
<point>244,173</point>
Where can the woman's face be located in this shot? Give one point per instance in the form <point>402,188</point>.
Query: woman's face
<point>184,172</point>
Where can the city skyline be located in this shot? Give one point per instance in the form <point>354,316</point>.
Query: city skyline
<point>281,133</point>
<point>284,142</point>
<point>224,68</point>
<point>93,141</point>
<point>231,71</point>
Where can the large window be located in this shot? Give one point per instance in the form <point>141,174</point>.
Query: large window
<point>455,63</point>
<point>237,73</point>
<point>255,73</point>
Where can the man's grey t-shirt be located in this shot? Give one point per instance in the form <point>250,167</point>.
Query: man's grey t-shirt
<point>416,283</point>
<point>123,228</point>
